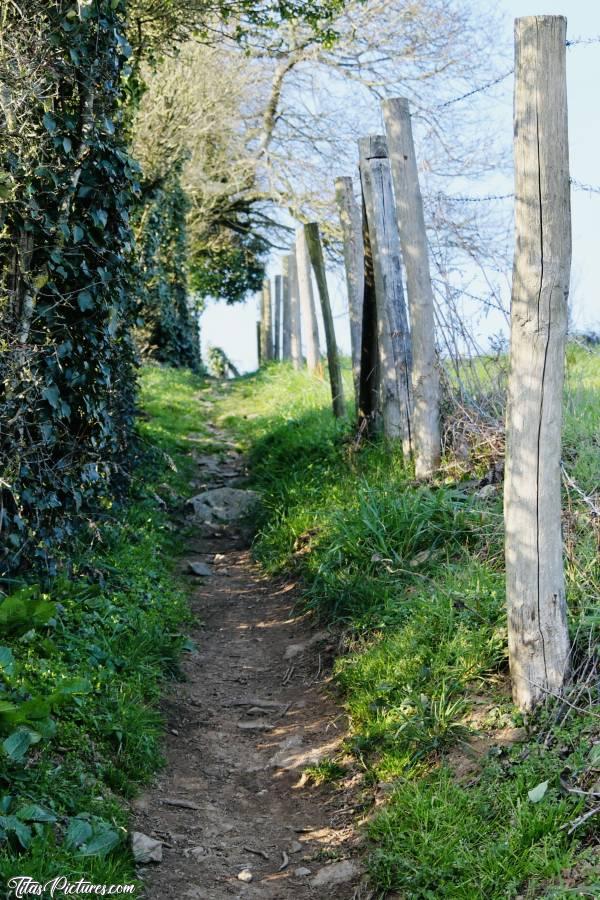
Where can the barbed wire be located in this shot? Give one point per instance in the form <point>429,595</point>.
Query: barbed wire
<point>490,84</point>
<point>576,41</point>
<point>457,198</point>
<point>581,186</point>
<point>477,90</point>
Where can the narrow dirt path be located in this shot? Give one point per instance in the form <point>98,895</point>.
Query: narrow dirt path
<point>253,712</point>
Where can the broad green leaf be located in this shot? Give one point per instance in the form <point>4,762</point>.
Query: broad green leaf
<point>7,661</point>
<point>34,813</point>
<point>78,233</point>
<point>78,832</point>
<point>537,793</point>
<point>18,743</point>
<point>12,825</point>
<point>101,844</point>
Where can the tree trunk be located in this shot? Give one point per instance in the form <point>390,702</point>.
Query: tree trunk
<point>425,377</point>
<point>258,345</point>
<point>538,639</point>
<point>315,250</point>
<point>266,324</point>
<point>295,319</point>
<point>286,312</point>
<point>350,219</point>
<point>310,328</point>
<point>278,301</point>
<point>393,335</point>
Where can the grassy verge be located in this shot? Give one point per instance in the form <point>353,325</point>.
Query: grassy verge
<point>83,662</point>
<point>476,803</point>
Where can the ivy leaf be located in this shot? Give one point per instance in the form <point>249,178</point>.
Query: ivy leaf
<point>537,793</point>
<point>85,300</point>
<point>78,233</point>
<point>67,144</point>
<point>49,123</point>
<point>100,217</point>
<point>52,395</point>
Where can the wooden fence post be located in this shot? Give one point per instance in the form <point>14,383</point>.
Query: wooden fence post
<point>266,327</point>
<point>350,220</point>
<point>295,318</point>
<point>538,639</point>
<point>393,334</point>
<point>313,240</point>
<point>258,345</point>
<point>310,328</point>
<point>278,302</point>
<point>425,377</point>
<point>369,392</point>
<point>286,312</point>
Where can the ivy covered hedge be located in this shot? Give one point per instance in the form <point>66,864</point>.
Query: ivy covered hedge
<point>66,266</point>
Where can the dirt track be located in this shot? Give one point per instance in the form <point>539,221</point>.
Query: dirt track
<point>254,711</point>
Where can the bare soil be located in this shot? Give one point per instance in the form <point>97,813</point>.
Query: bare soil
<point>255,709</point>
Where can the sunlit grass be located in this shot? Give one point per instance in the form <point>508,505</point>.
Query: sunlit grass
<point>415,575</point>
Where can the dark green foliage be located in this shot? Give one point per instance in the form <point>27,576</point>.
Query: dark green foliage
<point>230,268</point>
<point>83,661</point>
<point>67,385</point>
<point>169,327</point>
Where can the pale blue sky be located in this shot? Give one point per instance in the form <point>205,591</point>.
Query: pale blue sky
<point>234,328</point>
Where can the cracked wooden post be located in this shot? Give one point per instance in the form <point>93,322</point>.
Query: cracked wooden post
<point>393,335</point>
<point>266,323</point>
<point>425,378</point>
<point>278,302</point>
<point>313,241</point>
<point>538,641</point>
<point>350,220</point>
<point>308,313</point>
<point>258,343</point>
<point>369,393</point>
<point>286,312</point>
<point>295,319</point>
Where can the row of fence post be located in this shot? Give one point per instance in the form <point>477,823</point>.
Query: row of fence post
<point>396,371</point>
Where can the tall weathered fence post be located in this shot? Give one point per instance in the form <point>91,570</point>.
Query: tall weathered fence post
<point>350,220</point>
<point>278,302</point>
<point>286,312</point>
<point>538,639</point>
<point>310,328</point>
<point>266,323</point>
<point>369,392</point>
<point>258,345</point>
<point>393,335</point>
<point>313,240</point>
<point>295,318</point>
<point>425,377</point>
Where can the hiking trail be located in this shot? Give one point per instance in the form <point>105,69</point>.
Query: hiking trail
<point>232,809</point>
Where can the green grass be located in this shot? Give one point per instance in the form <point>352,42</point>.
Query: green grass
<point>87,678</point>
<point>414,574</point>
